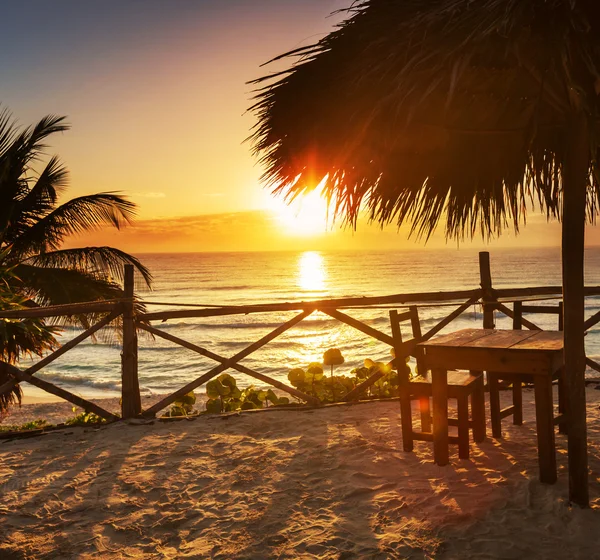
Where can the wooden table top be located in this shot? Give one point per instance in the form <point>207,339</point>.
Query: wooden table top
<point>542,341</point>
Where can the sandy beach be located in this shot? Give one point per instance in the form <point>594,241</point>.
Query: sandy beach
<point>330,483</point>
<point>55,410</point>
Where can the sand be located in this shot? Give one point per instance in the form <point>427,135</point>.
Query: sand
<point>330,483</point>
<point>55,410</point>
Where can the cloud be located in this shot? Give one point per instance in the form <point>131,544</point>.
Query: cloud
<point>263,231</point>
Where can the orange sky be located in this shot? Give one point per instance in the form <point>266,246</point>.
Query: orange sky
<point>156,94</point>
<point>264,231</point>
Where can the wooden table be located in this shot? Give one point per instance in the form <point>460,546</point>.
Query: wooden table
<point>537,353</point>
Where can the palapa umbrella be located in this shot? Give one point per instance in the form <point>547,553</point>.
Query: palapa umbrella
<point>464,112</point>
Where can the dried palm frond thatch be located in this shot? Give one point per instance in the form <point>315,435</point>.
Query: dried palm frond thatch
<point>439,110</point>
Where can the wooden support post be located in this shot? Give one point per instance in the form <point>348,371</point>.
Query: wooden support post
<point>130,402</point>
<point>575,178</point>
<point>485,275</point>
<point>518,315</point>
<point>404,386</point>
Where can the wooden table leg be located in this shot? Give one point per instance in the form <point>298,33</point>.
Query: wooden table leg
<point>495,404</point>
<point>406,418</point>
<point>517,391</point>
<point>439,385</point>
<point>425,410</point>
<point>545,428</point>
<point>463,426</point>
<point>562,402</point>
<point>478,409</point>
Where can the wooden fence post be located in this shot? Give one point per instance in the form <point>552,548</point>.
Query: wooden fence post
<point>485,275</point>
<point>131,405</point>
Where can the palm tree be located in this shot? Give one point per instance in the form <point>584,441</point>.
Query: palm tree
<point>456,112</point>
<point>33,225</point>
<point>18,338</point>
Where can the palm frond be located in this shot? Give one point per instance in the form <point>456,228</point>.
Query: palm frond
<point>99,262</point>
<point>17,150</point>
<point>29,144</point>
<point>36,202</point>
<point>59,286</point>
<point>78,215</point>
<point>7,130</point>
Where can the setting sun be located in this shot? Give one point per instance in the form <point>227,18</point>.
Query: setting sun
<point>305,216</point>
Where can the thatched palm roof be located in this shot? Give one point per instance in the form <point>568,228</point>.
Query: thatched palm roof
<point>429,110</point>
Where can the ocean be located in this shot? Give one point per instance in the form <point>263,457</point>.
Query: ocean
<point>92,369</point>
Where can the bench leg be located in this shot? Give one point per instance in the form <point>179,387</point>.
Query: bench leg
<point>495,405</point>
<point>545,428</point>
<point>425,414</point>
<point>463,426</point>
<point>517,392</point>
<point>478,410</point>
<point>439,385</point>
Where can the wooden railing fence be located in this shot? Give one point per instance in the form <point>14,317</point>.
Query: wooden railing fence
<point>491,299</point>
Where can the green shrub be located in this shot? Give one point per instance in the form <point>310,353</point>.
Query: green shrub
<point>225,396</point>
<point>85,419</point>
<point>183,406</point>
<point>332,389</point>
<point>33,425</point>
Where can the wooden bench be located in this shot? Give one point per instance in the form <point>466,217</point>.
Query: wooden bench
<point>462,385</point>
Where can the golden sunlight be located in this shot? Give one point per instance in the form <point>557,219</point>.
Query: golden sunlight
<point>305,216</point>
<point>311,272</point>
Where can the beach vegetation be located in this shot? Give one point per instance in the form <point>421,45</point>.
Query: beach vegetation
<point>85,419</point>
<point>183,406</point>
<point>333,357</point>
<point>225,396</point>
<point>332,389</point>
<point>32,425</point>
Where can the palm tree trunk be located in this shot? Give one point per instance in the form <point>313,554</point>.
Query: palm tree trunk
<point>575,179</point>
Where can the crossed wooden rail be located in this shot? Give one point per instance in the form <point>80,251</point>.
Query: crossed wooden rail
<point>491,300</point>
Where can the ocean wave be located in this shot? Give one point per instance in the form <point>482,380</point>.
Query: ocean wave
<point>77,380</point>
<point>247,325</point>
<point>170,348</point>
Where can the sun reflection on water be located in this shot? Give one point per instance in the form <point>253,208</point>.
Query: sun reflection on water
<point>312,276</point>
